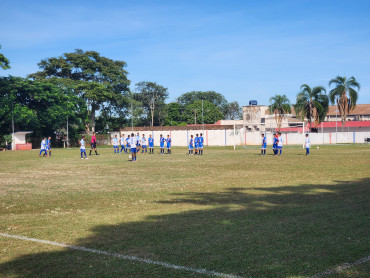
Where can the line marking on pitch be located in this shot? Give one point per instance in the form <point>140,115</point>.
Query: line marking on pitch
<point>125,257</point>
<point>340,268</point>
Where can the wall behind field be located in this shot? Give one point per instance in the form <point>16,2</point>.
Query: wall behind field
<point>226,137</point>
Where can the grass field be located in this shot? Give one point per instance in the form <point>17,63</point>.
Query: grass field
<point>228,211</point>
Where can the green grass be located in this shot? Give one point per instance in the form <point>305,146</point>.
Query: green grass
<point>227,211</point>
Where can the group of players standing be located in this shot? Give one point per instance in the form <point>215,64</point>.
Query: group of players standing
<point>133,144</point>
<point>277,144</point>
<point>196,144</point>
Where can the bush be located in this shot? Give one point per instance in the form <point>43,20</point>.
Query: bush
<point>8,138</point>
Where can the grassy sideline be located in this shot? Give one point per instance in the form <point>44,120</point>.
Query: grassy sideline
<point>228,211</point>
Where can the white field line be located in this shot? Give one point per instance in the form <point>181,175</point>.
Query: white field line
<point>125,257</point>
<point>340,268</point>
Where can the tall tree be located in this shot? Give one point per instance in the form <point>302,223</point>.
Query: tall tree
<point>37,106</point>
<point>233,111</point>
<point>96,79</point>
<point>174,114</point>
<point>339,96</point>
<point>279,106</point>
<point>211,96</point>
<point>193,113</point>
<point>312,104</point>
<point>152,97</point>
<point>4,62</point>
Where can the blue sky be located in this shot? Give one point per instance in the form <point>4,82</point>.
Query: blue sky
<point>242,49</point>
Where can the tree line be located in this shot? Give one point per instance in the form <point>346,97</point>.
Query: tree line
<point>93,93</point>
<point>312,104</point>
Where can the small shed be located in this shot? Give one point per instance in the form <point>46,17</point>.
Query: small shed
<point>19,141</point>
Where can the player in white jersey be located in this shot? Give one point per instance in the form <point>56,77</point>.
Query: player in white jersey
<point>83,148</point>
<point>307,144</point>
<point>264,144</point>
<point>144,144</point>
<point>280,143</point>
<point>133,144</point>
<point>115,144</point>
<point>43,148</point>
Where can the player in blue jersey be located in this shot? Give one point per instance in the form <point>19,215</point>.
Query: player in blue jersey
<point>138,143</point>
<point>123,142</point>
<point>128,140</point>
<point>196,144</point>
<point>191,145</point>
<point>115,144</point>
<point>161,143</point>
<point>264,144</point>
<point>133,143</point>
<point>200,143</point>
<point>169,140</point>
<point>138,140</point>
<point>83,148</point>
<point>48,145</point>
<point>144,144</point>
<point>151,144</point>
<point>43,147</point>
<point>274,144</point>
<point>307,144</point>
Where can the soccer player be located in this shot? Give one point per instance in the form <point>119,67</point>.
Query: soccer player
<point>138,142</point>
<point>280,143</point>
<point>43,147</point>
<point>93,144</point>
<point>138,139</point>
<point>191,142</point>
<point>133,143</point>
<point>123,141</point>
<point>143,144</point>
<point>128,140</point>
<point>48,145</point>
<point>307,144</point>
<point>196,143</point>
<point>115,144</point>
<point>82,148</point>
<point>274,145</point>
<point>264,144</point>
<point>169,140</point>
<point>200,143</point>
<point>161,143</point>
<point>151,144</point>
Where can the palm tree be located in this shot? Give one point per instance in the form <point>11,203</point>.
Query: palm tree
<point>312,104</point>
<point>339,95</point>
<point>279,105</point>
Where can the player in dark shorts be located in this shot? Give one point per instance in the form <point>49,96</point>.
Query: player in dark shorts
<point>93,144</point>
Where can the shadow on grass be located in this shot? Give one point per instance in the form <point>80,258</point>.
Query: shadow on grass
<point>258,232</point>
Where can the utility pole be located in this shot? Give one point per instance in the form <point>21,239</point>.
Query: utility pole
<point>336,125</point>
<point>132,116</point>
<point>13,125</point>
<point>67,135</point>
<point>202,117</point>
